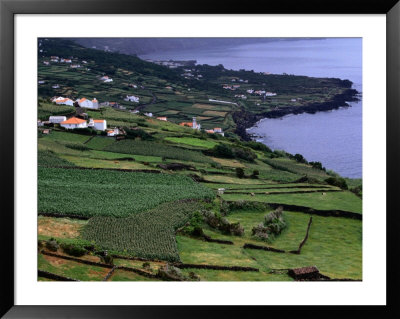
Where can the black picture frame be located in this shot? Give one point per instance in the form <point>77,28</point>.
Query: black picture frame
<point>9,8</point>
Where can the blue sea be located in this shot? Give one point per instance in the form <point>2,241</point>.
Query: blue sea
<point>333,138</point>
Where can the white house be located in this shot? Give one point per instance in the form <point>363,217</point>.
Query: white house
<point>66,60</point>
<point>162,118</point>
<point>219,131</point>
<point>106,79</point>
<point>57,119</point>
<point>73,123</point>
<point>63,101</point>
<point>113,132</point>
<point>56,86</point>
<point>46,62</point>
<point>270,94</point>
<point>99,125</point>
<point>91,104</point>
<point>149,114</point>
<point>132,98</point>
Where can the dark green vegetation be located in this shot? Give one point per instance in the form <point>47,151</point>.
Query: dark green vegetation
<point>110,193</point>
<point>147,196</point>
<point>156,149</point>
<point>149,234</point>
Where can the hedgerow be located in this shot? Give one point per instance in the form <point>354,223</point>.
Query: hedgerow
<point>111,193</point>
<point>149,234</point>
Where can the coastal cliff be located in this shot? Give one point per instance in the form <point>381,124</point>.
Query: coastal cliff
<point>245,119</point>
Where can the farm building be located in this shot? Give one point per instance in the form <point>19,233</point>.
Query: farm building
<point>193,124</point>
<point>100,125</point>
<point>62,101</point>
<point>132,98</point>
<point>57,119</point>
<point>93,104</point>
<point>113,132</point>
<point>73,123</point>
<point>162,118</point>
<point>305,273</point>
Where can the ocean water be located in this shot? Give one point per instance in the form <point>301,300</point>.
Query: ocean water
<point>333,138</point>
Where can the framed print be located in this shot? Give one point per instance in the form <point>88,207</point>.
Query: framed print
<point>164,155</point>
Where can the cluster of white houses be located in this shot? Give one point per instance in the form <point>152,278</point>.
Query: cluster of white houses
<point>76,123</point>
<point>83,102</point>
<point>197,126</point>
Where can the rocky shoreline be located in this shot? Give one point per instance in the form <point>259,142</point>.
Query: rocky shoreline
<point>245,119</point>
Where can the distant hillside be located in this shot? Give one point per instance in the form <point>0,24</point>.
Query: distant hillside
<point>137,46</point>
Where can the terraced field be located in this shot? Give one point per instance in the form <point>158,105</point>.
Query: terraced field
<point>110,193</point>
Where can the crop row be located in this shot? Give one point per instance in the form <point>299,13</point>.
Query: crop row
<point>156,149</point>
<point>111,193</point>
<point>149,234</point>
<point>50,159</point>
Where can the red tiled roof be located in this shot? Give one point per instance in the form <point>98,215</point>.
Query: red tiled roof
<point>73,120</point>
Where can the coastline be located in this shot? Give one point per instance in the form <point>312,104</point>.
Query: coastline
<point>245,119</point>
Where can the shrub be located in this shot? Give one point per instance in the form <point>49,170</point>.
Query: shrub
<point>221,150</point>
<point>84,131</point>
<point>216,221</point>
<point>239,172</point>
<point>317,165</point>
<point>169,272</point>
<point>255,174</point>
<point>52,244</point>
<point>258,146</point>
<point>73,250</point>
<point>272,226</point>
<point>132,134</point>
<point>337,181</point>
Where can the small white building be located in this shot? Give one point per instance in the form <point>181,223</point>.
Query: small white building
<point>57,119</point>
<point>219,131</point>
<point>113,132</point>
<point>99,125</point>
<point>91,104</point>
<point>149,114</point>
<point>63,101</point>
<point>132,98</point>
<point>73,123</point>
<point>162,118</point>
<point>108,80</point>
<point>46,62</point>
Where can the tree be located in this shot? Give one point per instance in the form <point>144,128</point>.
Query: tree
<point>255,174</point>
<point>239,172</point>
